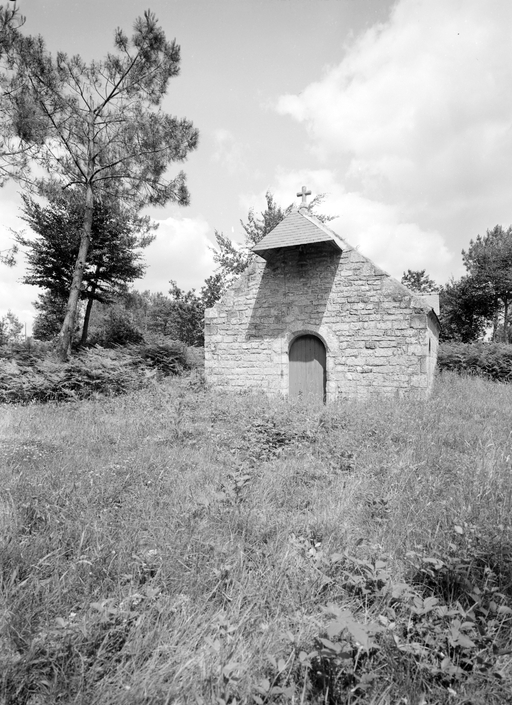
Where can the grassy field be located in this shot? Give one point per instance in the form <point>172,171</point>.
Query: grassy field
<point>179,546</point>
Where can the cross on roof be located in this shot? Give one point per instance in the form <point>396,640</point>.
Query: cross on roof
<point>304,193</point>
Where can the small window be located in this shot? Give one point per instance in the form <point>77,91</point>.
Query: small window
<point>429,344</point>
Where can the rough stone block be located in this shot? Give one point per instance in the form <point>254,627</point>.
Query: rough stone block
<point>418,320</point>
<point>362,314</point>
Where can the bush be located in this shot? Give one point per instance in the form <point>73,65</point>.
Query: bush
<point>170,358</point>
<point>26,378</point>
<point>117,327</point>
<point>488,360</point>
<point>27,351</point>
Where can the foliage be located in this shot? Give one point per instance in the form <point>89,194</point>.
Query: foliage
<point>465,310</point>
<point>26,378</point>
<point>489,360</point>
<point>442,626</point>
<point>51,312</point>
<point>45,380</point>
<point>10,328</point>
<point>148,312</point>
<point>114,325</point>
<point>419,282</point>
<point>151,550</point>
<point>212,289</point>
<point>14,151</point>
<point>98,129</point>
<point>169,358</point>
<point>481,298</point>
<point>489,262</point>
<point>187,315</point>
<point>179,316</point>
<point>114,259</point>
<point>8,257</point>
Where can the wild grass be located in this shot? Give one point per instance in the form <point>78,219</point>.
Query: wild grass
<point>178,545</point>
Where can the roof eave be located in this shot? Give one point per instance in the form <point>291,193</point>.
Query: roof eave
<point>266,252</point>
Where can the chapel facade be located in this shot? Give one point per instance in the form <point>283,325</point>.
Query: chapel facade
<point>312,317</point>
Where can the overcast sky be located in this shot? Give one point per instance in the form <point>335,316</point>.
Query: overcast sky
<point>400,112</point>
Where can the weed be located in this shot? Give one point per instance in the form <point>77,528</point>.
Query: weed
<point>173,544</point>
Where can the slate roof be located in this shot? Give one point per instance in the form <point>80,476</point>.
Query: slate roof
<point>301,228</point>
<point>297,228</point>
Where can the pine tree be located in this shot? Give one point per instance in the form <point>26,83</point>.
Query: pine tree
<point>10,328</point>
<point>419,282</point>
<point>465,310</point>
<point>8,257</point>
<point>51,311</point>
<point>489,262</point>
<point>98,128</point>
<point>15,109</point>
<point>114,258</point>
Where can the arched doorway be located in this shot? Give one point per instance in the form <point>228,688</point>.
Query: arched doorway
<point>307,368</point>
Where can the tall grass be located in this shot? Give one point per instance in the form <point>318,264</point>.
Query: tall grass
<point>180,545</point>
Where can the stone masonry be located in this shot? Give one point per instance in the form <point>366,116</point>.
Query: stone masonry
<point>379,337</point>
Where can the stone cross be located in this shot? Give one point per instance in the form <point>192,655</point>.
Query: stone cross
<point>304,193</point>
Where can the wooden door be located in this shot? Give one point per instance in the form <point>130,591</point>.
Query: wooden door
<point>307,368</point>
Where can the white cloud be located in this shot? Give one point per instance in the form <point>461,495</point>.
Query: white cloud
<point>377,229</point>
<point>417,122</point>
<point>228,152</point>
<point>180,252</point>
<point>14,295</point>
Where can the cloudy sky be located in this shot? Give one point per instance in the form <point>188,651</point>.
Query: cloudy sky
<point>399,111</point>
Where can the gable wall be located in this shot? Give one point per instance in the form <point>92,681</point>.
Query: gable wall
<point>376,338</point>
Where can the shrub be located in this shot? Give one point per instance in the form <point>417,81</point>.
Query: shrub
<point>117,327</point>
<point>488,360</point>
<point>170,358</point>
<point>26,378</point>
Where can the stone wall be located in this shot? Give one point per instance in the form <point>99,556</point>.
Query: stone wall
<point>379,338</point>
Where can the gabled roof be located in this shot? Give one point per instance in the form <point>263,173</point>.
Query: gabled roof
<point>297,228</point>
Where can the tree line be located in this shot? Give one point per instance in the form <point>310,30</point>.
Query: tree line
<point>90,146</point>
<point>477,303</point>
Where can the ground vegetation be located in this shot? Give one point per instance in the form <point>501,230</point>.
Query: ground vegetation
<point>179,545</point>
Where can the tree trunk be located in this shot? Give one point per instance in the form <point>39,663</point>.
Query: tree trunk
<point>505,320</point>
<point>495,321</point>
<point>87,317</point>
<point>88,308</point>
<point>68,327</point>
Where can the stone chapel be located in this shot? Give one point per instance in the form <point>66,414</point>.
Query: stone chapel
<point>312,317</point>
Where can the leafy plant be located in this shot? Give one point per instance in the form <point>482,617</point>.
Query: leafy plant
<point>25,378</point>
<point>177,544</point>
<point>488,360</point>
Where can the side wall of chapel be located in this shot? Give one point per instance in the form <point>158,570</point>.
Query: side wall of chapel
<point>379,338</point>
